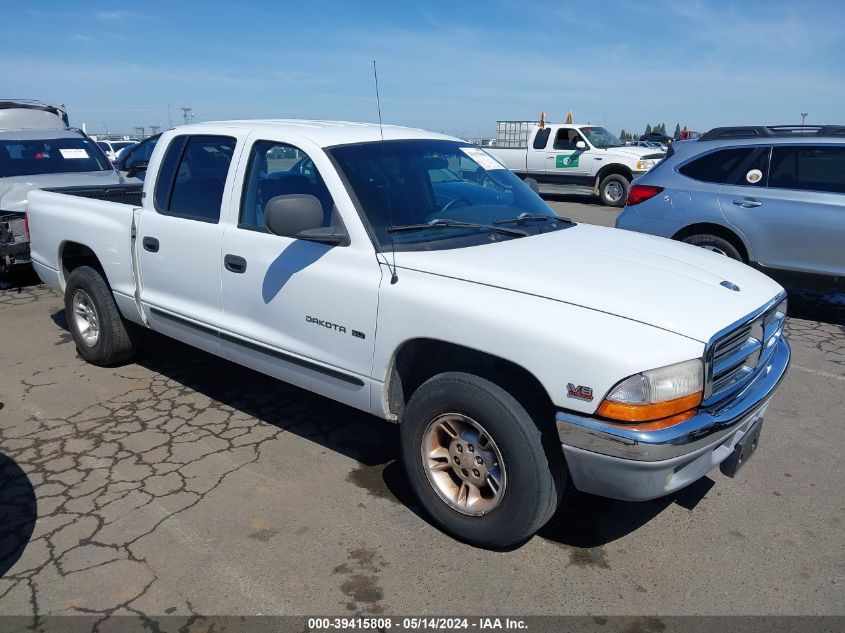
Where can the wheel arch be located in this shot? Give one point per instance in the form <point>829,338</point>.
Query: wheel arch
<point>718,230</point>
<point>73,254</point>
<point>419,359</point>
<point>614,168</point>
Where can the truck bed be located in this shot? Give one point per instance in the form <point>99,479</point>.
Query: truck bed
<point>124,194</point>
<point>100,218</point>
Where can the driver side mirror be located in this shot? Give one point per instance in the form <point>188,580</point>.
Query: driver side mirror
<point>136,168</point>
<point>300,216</point>
<point>580,145</point>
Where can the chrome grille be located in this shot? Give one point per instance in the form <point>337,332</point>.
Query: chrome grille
<point>735,356</point>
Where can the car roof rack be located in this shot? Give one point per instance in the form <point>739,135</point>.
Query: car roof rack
<point>764,131</point>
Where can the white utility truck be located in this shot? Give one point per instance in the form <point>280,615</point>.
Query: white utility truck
<point>417,279</point>
<point>572,158</point>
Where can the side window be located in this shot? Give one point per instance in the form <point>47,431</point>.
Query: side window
<point>278,169</point>
<point>808,168</point>
<point>196,191</point>
<point>542,138</point>
<point>744,166</point>
<point>566,139</point>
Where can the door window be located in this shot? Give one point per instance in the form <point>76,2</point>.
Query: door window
<point>192,177</point>
<point>542,138</point>
<point>566,139</point>
<point>278,169</point>
<point>745,166</point>
<point>808,168</point>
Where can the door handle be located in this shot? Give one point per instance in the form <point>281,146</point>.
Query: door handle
<point>150,244</point>
<point>550,157</point>
<point>234,264</point>
<point>748,203</point>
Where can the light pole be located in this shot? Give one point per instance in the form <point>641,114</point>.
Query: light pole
<point>803,116</point>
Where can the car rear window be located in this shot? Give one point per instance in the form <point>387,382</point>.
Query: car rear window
<point>808,168</point>
<point>50,156</point>
<point>736,166</point>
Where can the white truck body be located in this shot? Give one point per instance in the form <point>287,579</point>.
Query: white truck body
<point>571,158</point>
<point>580,306</point>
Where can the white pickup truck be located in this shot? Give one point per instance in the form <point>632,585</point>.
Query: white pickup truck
<point>572,158</point>
<point>415,278</point>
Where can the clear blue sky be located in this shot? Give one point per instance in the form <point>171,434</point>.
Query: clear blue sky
<point>455,66</point>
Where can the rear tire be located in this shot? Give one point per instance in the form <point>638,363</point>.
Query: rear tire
<point>501,440</point>
<point>102,336</point>
<point>716,244</point>
<point>613,190</point>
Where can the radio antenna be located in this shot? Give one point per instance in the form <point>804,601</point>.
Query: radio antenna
<point>393,276</point>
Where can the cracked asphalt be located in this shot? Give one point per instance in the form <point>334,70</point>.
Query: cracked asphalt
<point>183,484</point>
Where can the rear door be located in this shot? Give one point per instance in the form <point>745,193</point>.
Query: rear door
<point>798,220</point>
<point>179,239</point>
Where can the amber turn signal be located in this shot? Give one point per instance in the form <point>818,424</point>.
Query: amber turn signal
<point>647,412</point>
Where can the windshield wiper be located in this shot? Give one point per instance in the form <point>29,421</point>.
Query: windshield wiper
<point>527,217</point>
<point>437,223</point>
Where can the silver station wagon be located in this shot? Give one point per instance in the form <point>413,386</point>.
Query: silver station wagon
<point>772,197</point>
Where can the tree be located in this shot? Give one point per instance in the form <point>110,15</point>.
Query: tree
<point>648,128</point>
<point>677,131</point>
<point>622,136</point>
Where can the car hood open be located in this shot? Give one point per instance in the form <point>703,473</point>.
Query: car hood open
<point>660,282</point>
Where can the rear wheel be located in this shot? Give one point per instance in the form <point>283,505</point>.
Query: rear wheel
<point>102,335</point>
<point>478,461</point>
<point>613,190</point>
<point>716,244</point>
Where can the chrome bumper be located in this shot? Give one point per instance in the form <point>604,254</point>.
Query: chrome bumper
<point>614,461</point>
<point>706,427</point>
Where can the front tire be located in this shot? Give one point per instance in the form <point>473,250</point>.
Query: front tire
<point>613,190</point>
<point>478,461</point>
<point>102,336</point>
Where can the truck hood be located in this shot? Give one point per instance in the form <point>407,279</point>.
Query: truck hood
<point>637,152</point>
<point>656,281</point>
<point>14,189</point>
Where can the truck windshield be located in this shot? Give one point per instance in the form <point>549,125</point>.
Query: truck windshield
<point>50,156</point>
<point>601,138</point>
<point>447,192</point>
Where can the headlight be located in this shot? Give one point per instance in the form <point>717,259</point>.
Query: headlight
<point>655,394</point>
<point>645,164</point>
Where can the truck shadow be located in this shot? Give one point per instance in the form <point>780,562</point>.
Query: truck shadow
<point>18,512</point>
<point>587,521</point>
<point>582,521</point>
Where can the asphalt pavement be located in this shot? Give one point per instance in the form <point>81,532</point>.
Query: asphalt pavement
<point>184,484</point>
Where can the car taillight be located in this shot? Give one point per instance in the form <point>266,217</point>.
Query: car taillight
<point>26,226</point>
<point>641,193</point>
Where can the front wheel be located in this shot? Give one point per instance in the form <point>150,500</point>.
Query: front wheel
<point>478,461</point>
<point>613,190</point>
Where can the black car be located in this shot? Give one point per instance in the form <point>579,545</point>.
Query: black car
<point>657,137</point>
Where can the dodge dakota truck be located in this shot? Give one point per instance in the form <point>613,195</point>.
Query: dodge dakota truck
<point>572,158</point>
<point>413,277</point>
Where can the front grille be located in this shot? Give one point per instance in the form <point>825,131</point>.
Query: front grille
<point>735,357</point>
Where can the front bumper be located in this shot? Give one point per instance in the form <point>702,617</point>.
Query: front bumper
<point>613,460</point>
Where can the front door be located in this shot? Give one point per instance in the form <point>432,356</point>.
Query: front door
<point>565,163</point>
<point>302,311</point>
<point>178,243</point>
